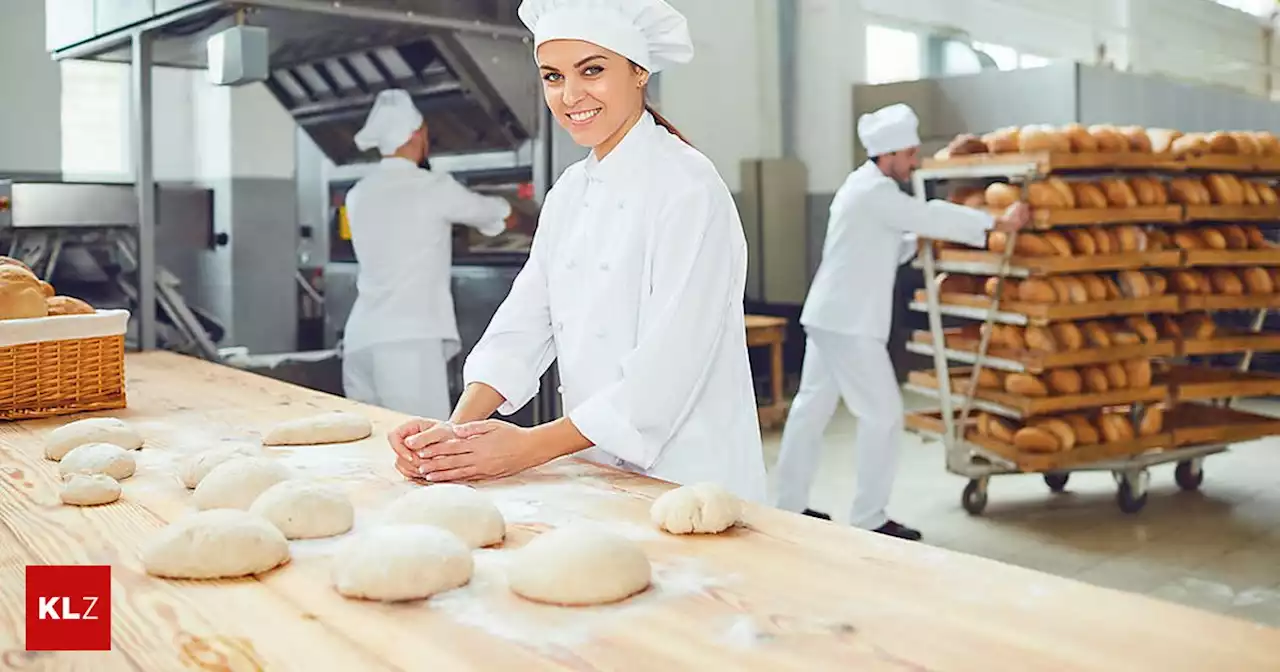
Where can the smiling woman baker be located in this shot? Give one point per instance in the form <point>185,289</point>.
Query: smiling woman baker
<point>634,284</point>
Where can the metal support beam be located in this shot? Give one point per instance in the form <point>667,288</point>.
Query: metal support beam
<point>145,183</point>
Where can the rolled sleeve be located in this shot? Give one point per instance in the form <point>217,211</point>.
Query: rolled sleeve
<point>698,273</point>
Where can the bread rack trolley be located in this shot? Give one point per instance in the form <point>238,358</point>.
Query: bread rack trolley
<point>968,455</point>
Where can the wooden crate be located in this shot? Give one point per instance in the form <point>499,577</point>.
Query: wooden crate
<point>1232,213</point>
<point>1220,163</point>
<point>1028,407</point>
<point>1045,313</point>
<point>1059,162</point>
<point>1094,263</point>
<point>1198,424</point>
<point>1227,343</point>
<point>1044,219</point>
<point>1192,383</point>
<point>1039,362</point>
<point>1041,462</point>
<point>1269,257</point>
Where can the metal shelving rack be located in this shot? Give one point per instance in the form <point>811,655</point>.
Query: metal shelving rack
<point>969,459</point>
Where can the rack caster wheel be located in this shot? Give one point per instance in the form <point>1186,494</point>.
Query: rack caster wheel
<point>974,498</point>
<point>1189,475</point>
<point>1132,493</point>
<point>1057,481</point>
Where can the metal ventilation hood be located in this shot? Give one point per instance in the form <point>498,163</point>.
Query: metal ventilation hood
<point>465,62</point>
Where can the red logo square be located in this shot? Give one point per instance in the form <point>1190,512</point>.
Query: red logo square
<point>68,607</point>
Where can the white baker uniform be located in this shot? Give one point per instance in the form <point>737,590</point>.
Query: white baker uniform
<point>402,330</point>
<point>846,318</point>
<point>634,286</point>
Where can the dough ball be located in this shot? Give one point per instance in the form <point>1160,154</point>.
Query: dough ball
<point>577,566</point>
<point>223,543</point>
<point>199,465</point>
<point>89,490</point>
<point>460,509</point>
<point>60,441</point>
<point>234,484</point>
<point>305,509</point>
<point>401,562</point>
<point>703,508</point>
<point>339,427</point>
<point>98,458</point>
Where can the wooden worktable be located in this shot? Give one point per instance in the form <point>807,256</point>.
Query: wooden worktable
<point>784,592</point>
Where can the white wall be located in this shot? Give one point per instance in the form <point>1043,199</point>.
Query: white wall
<point>30,93</point>
<point>726,100</point>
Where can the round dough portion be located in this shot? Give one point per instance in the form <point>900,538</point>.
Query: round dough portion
<point>218,544</point>
<point>394,563</point>
<point>89,490</point>
<point>234,484</point>
<point>338,427</point>
<point>460,509</point>
<point>702,508</point>
<point>199,465</point>
<point>60,441</point>
<point>578,566</point>
<point>305,509</point>
<point>98,458</point>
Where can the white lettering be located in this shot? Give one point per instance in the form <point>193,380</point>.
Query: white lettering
<point>67,614</point>
<point>93,601</point>
<point>46,608</point>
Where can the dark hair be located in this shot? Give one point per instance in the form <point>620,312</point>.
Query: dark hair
<point>662,121</point>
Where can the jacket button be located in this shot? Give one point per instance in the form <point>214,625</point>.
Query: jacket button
<point>604,265</point>
<point>560,390</point>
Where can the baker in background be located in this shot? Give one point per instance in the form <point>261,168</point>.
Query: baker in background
<point>634,286</point>
<point>848,311</point>
<point>402,330</point>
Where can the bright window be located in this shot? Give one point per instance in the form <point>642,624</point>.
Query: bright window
<point>1032,61</point>
<point>94,118</point>
<point>892,55</point>
<point>1255,7</point>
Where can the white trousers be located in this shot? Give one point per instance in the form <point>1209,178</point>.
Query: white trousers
<point>858,370</point>
<point>409,377</point>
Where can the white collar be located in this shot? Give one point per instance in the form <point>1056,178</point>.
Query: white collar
<point>622,162</point>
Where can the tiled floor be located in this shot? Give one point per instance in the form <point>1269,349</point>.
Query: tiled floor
<point>1216,549</point>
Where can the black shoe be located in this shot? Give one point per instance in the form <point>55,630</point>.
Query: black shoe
<point>817,514</point>
<point>898,530</point>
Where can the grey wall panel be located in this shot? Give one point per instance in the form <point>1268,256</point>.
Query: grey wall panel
<point>109,15</point>
<point>67,22</point>
<point>264,246</point>
<point>1107,96</point>
<point>818,211</point>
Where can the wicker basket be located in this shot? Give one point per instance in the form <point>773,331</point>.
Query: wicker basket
<point>62,365</point>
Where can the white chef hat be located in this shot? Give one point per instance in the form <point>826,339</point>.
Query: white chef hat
<point>889,129</point>
<point>392,120</point>
<point>649,32</point>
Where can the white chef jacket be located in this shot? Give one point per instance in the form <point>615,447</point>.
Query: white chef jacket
<point>635,286</point>
<point>852,292</point>
<point>401,219</point>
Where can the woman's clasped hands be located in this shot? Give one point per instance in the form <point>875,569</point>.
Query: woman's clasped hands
<point>440,451</point>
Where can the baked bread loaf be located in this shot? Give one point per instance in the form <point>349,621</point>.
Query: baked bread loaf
<point>1116,375</point>
<point>1131,238</point>
<point>1115,428</point>
<point>1096,287</point>
<point>1257,240</point>
<point>1109,139</point>
<point>1068,336</point>
<point>1198,326</point>
<point>1061,246</point>
<point>1158,240</point>
<point>1149,191</point>
<point>1221,142</point>
<point>963,144</point>
<point>1162,139</point>
<point>1040,339</point>
<point>1142,327</point>
<point>1000,429</point>
<point>1188,240</point>
<point>1065,381</point>
<point>1268,144</point>
<point>1235,236</point>
<point>1082,242</point>
<point>1246,145</point>
<point>1121,337</point>
<point>22,295</point>
<point>1213,239</point>
<point>1095,379</point>
<point>1138,373</point>
<point>1119,193</point>
<point>1257,281</point>
<point>1036,440</point>
<point>1077,292</point>
<point>1151,422</point>
<point>1225,189</point>
<point>1113,290</point>
<point>1097,335</point>
<point>1266,193</point>
<point>1189,145</point>
<point>1026,385</point>
<point>1089,195</point>
<point>1189,191</point>
<point>1134,284</point>
<point>1042,138</point>
<point>1159,285</point>
<point>1079,139</point>
<point>67,305</point>
<point>1138,139</point>
<point>1008,291</point>
<point>1169,327</point>
<point>1002,141</point>
<point>1226,282</point>
<point>1086,433</point>
<point>1251,196</point>
<point>1042,194</point>
<point>1036,290</point>
<point>1061,429</point>
<point>1104,241</point>
<point>1002,194</point>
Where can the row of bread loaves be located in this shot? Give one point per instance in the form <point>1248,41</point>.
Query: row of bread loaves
<point>1056,434</point>
<point>1112,139</point>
